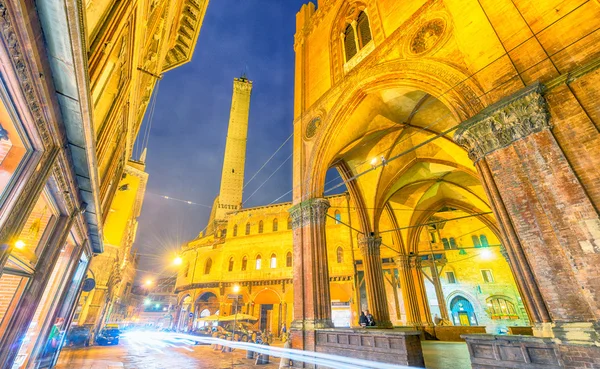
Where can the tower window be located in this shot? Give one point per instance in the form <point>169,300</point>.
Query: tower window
<point>357,35</point>
<point>273,261</point>
<point>207,266</point>
<point>349,42</point>
<point>258,262</point>
<point>364,30</point>
<point>340,255</point>
<point>247,228</point>
<point>260,227</point>
<point>338,217</point>
<point>230,264</point>
<point>275,225</point>
<point>235,230</point>
<point>289,223</point>
<point>288,259</point>
<point>244,263</point>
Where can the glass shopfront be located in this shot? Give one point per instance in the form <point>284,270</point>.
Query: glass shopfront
<point>13,282</point>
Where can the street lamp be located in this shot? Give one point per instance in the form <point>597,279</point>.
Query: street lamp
<point>19,244</point>
<point>236,290</point>
<point>178,260</point>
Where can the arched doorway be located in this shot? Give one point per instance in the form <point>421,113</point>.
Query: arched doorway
<point>184,313</point>
<point>462,312</point>
<point>267,307</point>
<point>206,302</point>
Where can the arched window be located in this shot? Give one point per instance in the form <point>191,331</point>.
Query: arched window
<point>484,241</point>
<point>207,266</point>
<point>273,261</point>
<point>453,245</point>
<point>446,244</point>
<point>288,259</point>
<point>338,217</point>
<point>476,242</point>
<point>289,226</point>
<point>340,255</point>
<point>230,264</point>
<point>275,225</point>
<point>260,226</point>
<point>501,308</point>
<point>235,230</point>
<point>244,263</point>
<point>364,29</point>
<point>258,262</point>
<point>247,228</point>
<point>349,42</point>
<point>186,270</point>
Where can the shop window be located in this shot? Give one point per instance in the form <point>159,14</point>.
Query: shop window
<point>244,263</point>
<point>258,262</point>
<point>289,223</point>
<point>340,255</point>
<point>338,217</point>
<point>501,308</point>
<point>207,266</point>
<point>476,242</point>
<point>484,241</point>
<point>247,228</point>
<point>273,261</point>
<point>275,225</point>
<point>451,277</point>
<point>260,226</point>
<point>487,275</point>
<point>235,230</point>
<point>288,259</point>
<point>230,268</point>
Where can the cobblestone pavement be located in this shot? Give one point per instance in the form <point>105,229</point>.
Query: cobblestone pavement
<point>128,355</point>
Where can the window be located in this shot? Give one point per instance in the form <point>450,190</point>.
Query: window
<point>230,264</point>
<point>207,266</point>
<point>338,217</point>
<point>364,30</point>
<point>349,42</point>
<point>235,230</point>
<point>260,226</point>
<point>450,277</point>
<point>501,308</point>
<point>288,259</point>
<point>487,275</point>
<point>275,225</point>
<point>340,255</point>
<point>258,262</point>
<point>453,245</point>
<point>289,223</point>
<point>244,263</point>
<point>247,228</point>
<point>484,241</point>
<point>446,244</point>
<point>186,271</point>
<point>476,242</point>
<point>273,261</point>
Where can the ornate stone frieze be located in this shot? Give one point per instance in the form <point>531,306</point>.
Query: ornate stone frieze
<point>311,211</point>
<point>505,122</point>
<point>428,36</point>
<point>369,245</point>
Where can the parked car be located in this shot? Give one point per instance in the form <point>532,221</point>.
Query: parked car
<point>108,336</point>
<point>79,335</point>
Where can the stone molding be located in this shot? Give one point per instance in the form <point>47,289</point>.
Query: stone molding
<point>311,211</point>
<point>509,120</point>
<point>369,245</point>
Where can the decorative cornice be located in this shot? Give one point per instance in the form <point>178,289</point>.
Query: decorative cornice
<point>509,120</point>
<point>311,211</point>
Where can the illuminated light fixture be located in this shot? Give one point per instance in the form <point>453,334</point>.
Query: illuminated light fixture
<point>462,252</point>
<point>157,306</point>
<point>189,202</point>
<point>178,260</point>
<point>164,309</point>
<point>236,288</point>
<point>147,302</point>
<point>374,162</point>
<point>148,282</point>
<point>486,254</point>
<point>20,244</point>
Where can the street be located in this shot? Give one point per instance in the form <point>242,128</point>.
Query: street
<point>129,354</point>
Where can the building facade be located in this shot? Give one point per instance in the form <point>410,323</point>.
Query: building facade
<point>486,108</point>
<point>76,79</point>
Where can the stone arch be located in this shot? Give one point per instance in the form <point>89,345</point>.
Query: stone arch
<point>433,77</point>
<point>267,296</point>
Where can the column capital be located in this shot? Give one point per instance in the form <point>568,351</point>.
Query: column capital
<point>509,120</point>
<point>369,245</point>
<point>311,211</point>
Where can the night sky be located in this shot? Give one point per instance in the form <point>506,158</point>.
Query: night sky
<point>187,139</point>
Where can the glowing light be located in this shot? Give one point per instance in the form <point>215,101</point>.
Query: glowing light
<point>374,161</point>
<point>236,288</point>
<point>147,302</point>
<point>148,282</point>
<point>486,254</point>
<point>19,244</point>
<point>157,306</point>
<point>178,260</point>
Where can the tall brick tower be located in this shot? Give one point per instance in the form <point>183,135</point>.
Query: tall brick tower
<point>232,176</point>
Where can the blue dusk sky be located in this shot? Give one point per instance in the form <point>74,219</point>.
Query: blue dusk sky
<point>187,138</point>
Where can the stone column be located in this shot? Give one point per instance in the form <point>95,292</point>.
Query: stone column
<point>439,293</point>
<point>312,301</point>
<point>550,226</point>
<point>413,291</point>
<point>376,297</point>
